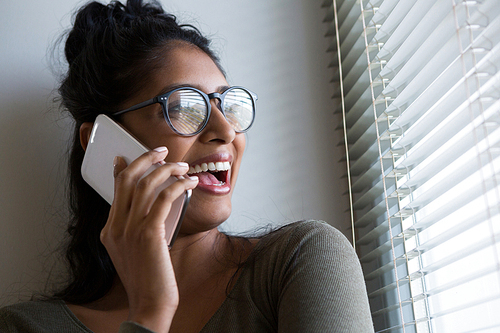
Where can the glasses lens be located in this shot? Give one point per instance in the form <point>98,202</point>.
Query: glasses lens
<point>187,110</point>
<point>239,109</point>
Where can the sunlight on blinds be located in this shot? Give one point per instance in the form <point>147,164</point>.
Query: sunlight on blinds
<point>418,85</point>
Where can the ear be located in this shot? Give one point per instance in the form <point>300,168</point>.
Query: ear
<point>85,131</point>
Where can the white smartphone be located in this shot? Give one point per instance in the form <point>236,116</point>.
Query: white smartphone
<point>109,139</point>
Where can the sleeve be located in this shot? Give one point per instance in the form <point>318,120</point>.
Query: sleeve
<point>131,327</point>
<point>322,285</point>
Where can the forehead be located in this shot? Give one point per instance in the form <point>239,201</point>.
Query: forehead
<point>187,64</point>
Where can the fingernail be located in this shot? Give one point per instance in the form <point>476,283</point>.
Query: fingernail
<point>115,161</point>
<point>194,178</point>
<point>160,149</point>
<point>162,162</point>
<point>183,164</point>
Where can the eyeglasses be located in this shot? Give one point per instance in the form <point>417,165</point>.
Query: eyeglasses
<point>187,109</point>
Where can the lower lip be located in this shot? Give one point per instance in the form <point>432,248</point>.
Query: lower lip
<point>215,189</point>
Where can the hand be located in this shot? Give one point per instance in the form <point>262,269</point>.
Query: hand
<point>134,236</point>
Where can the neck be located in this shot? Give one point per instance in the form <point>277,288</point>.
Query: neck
<point>198,259</point>
<point>197,253</point>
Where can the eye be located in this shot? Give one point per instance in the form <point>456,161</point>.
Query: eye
<point>155,113</point>
<point>174,110</point>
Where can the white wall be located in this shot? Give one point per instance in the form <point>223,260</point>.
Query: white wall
<point>290,170</point>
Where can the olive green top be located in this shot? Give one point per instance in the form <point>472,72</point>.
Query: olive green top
<point>304,277</point>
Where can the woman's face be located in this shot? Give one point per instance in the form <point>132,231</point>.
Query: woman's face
<point>210,203</point>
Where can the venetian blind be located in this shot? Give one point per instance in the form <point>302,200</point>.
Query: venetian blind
<point>417,83</point>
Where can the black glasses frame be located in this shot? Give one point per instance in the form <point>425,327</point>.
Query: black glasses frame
<point>162,99</point>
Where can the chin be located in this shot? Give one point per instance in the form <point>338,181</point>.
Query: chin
<point>204,216</point>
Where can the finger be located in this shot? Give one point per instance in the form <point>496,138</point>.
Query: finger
<point>118,165</point>
<point>147,187</point>
<point>161,206</point>
<point>126,179</point>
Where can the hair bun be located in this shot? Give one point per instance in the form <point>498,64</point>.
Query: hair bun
<point>95,20</point>
<point>88,20</point>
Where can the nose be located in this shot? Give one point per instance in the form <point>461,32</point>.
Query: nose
<point>218,129</point>
<point>217,97</point>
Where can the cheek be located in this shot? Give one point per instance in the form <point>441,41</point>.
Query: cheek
<point>239,144</point>
<point>178,148</point>
<point>156,135</point>
<point>152,132</point>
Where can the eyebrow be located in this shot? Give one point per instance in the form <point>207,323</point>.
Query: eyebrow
<point>220,89</point>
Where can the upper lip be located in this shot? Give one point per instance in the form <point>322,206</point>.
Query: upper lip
<point>216,157</point>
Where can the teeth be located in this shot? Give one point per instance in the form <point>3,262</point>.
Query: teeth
<point>212,166</point>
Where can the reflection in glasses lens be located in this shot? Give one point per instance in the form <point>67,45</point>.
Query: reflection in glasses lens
<point>189,120</point>
<point>187,110</point>
<point>238,108</point>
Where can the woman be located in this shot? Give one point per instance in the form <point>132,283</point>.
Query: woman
<point>304,277</point>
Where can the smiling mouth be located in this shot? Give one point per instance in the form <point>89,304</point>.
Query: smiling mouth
<point>212,173</point>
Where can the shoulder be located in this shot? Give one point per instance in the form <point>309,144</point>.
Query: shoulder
<point>316,279</point>
<point>38,316</point>
<point>303,277</point>
<point>317,231</point>
<point>31,307</point>
<point>304,230</point>
<point>311,250</point>
<point>314,237</point>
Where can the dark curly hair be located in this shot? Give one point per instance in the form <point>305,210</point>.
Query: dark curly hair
<point>110,50</point>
